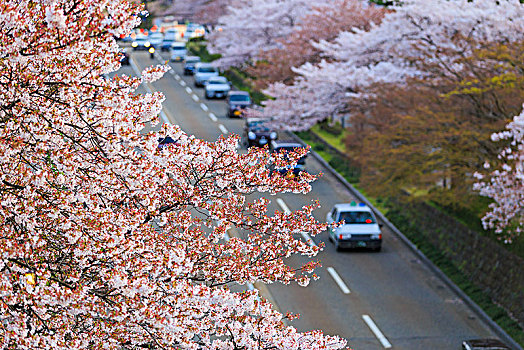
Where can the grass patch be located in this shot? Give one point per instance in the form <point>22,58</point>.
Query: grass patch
<point>199,48</point>
<point>336,141</point>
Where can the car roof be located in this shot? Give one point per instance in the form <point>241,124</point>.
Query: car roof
<point>353,206</point>
<point>219,78</point>
<point>286,143</point>
<point>178,44</point>
<point>192,58</point>
<point>255,119</point>
<point>239,92</point>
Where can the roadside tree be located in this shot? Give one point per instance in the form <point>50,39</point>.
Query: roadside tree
<point>108,240</point>
<point>253,26</point>
<point>358,59</point>
<point>506,185</point>
<point>324,22</point>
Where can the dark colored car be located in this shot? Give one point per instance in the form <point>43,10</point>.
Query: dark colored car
<point>283,147</point>
<point>165,142</point>
<point>257,132</point>
<point>189,64</point>
<point>141,43</point>
<point>124,57</point>
<point>484,344</point>
<point>237,102</point>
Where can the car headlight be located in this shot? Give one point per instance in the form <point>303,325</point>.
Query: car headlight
<point>251,135</point>
<point>273,135</point>
<point>147,44</point>
<point>134,44</point>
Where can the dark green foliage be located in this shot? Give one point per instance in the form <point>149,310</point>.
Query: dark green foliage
<point>334,129</point>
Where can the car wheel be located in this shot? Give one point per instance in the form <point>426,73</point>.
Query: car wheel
<point>337,246</point>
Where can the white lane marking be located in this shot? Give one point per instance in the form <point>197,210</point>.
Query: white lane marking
<point>188,90</point>
<point>171,71</point>
<point>222,128</point>
<point>385,343</point>
<point>286,210</point>
<point>338,280</point>
<point>213,117</point>
<point>177,77</point>
<point>183,83</point>
<point>194,97</point>
<point>204,107</point>
<point>148,89</point>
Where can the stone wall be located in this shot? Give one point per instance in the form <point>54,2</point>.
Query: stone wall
<point>489,266</point>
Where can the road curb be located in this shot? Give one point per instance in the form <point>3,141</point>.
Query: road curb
<point>459,292</point>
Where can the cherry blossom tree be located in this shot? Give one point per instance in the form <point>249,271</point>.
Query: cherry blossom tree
<point>324,22</point>
<point>506,185</point>
<point>110,241</point>
<point>252,26</point>
<point>360,58</point>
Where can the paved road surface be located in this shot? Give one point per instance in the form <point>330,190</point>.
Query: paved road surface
<point>375,300</point>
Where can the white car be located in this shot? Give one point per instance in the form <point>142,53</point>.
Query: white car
<point>358,227</point>
<point>217,87</point>
<point>178,51</point>
<point>204,72</point>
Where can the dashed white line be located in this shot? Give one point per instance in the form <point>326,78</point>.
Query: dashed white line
<point>338,280</point>
<point>171,72</point>
<point>195,97</point>
<point>286,210</point>
<point>204,107</point>
<point>188,90</point>
<point>177,77</point>
<point>183,83</point>
<point>385,343</point>
<point>222,128</point>
<point>212,117</point>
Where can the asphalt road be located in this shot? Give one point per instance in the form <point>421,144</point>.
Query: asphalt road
<point>375,300</point>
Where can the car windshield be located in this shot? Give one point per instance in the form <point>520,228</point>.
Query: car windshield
<point>206,70</point>
<point>192,61</point>
<point>356,217</point>
<point>141,39</point>
<point>157,36</point>
<point>239,98</point>
<point>179,48</point>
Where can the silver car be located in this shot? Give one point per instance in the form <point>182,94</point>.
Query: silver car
<point>358,228</point>
<point>203,72</point>
<point>217,87</point>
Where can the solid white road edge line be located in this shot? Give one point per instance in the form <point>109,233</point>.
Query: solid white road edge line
<point>223,129</point>
<point>212,117</point>
<point>385,343</point>
<point>188,90</point>
<point>204,107</point>
<point>338,280</point>
<point>146,86</point>
<point>286,210</point>
<point>194,97</point>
